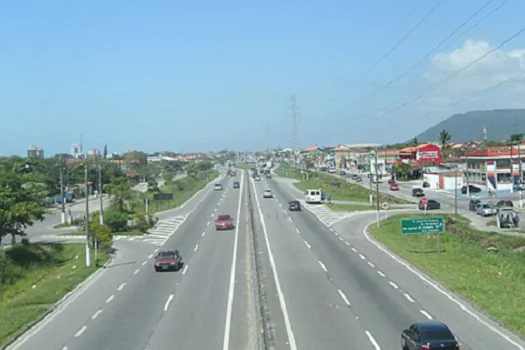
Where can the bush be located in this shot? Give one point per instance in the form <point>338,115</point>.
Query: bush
<point>103,234</point>
<point>141,223</point>
<point>116,221</point>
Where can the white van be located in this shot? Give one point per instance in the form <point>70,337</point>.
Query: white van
<point>313,196</point>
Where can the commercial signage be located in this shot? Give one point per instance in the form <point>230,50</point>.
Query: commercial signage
<point>163,196</point>
<point>430,156</point>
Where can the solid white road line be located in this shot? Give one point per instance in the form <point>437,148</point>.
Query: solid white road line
<point>167,305</point>
<point>440,290</point>
<point>231,288</point>
<point>282,301</point>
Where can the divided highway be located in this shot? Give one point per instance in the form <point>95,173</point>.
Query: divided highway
<point>280,280</point>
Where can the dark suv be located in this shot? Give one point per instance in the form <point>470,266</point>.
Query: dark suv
<point>294,206</point>
<point>236,184</point>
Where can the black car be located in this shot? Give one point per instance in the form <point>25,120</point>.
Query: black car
<point>432,204</point>
<point>505,204</point>
<point>428,335</point>
<point>418,192</point>
<point>473,203</point>
<point>471,189</point>
<point>294,206</point>
<point>236,184</point>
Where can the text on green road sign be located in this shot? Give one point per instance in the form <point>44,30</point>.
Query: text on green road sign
<point>423,225</point>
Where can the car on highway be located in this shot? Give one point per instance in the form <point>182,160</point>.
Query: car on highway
<point>236,184</point>
<point>268,175</point>
<point>267,194</point>
<point>428,336</point>
<point>257,178</point>
<point>354,177</point>
<point>342,173</point>
<point>473,203</point>
<point>394,187</point>
<point>418,192</point>
<point>224,222</point>
<point>432,204</point>
<point>471,189</point>
<point>486,209</point>
<point>167,260</point>
<point>217,187</point>
<point>294,206</point>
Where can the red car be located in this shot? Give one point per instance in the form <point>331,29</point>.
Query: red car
<point>391,181</point>
<point>394,187</point>
<point>224,222</point>
<point>167,260</point>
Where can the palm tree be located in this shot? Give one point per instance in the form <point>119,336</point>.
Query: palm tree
<point>120,191</point>
<point>514,139</point>
<point>444,138</point>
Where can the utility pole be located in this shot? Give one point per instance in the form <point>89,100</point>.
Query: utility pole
<point>295,117</point>
<point>377,187</point>
<point>88,256</point>
<point>62,197</point>
<point>456,193</point>
<point>370,180</point>
<point>466,170</point>
<point>101,212</point>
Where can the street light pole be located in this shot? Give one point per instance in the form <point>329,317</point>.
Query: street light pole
<point>377,186</point>
<point>88,256</point>
<point>62,197</point>
<point>101,214</point>
<point>456,193</point>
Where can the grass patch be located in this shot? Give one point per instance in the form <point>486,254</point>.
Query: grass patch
<point>290,172</point>
<point>343,190</point>
<point>53,270</point>
<point>350,207</point>
<point>492,281</point>
<point>123,233</point>
<point>182,189</point>
<point>492,223</point>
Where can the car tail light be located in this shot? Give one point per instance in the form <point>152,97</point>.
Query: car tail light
<point>424,347</point>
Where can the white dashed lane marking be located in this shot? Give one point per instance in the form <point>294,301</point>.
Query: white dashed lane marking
<point>426,314</point>
<point>408,297</point>
<point>380,274</point>
<point>322,266</point>
<point>343,296</point>
<point>95,315</point>
<point>121,286</point>
<point>185,269</point>
<point>80,331</point>
<point>307,244</point>
<point>111,297</point>
<point>393,285</point>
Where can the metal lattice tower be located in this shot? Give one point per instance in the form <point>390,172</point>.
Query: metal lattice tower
<point>295,131</point>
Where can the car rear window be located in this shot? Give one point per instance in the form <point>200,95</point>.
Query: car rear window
<point>437,334</point>
<point>224,217</point>
<point>167,254</point>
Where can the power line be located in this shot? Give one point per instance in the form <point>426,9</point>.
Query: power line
<point>433,50</point>
<point>399,42</point>
<point>456,73</point>
<point>465,99</point>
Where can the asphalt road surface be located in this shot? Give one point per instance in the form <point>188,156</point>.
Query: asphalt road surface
<point>317,287</point>
<point>382,294</point>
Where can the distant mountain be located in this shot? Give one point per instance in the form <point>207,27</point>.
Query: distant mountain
<point>500,124</point>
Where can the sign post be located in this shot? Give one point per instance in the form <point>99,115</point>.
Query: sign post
<point>424,201</point>
<point>423,227</point>
<point>161,197</point>
<point>385,206</point>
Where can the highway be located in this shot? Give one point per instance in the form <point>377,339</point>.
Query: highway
<point>304,285</point>
<point>385,294</point>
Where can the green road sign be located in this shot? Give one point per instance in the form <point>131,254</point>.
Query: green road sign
<point>423,225</point>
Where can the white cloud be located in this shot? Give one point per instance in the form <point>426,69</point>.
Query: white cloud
<point>496,68</point>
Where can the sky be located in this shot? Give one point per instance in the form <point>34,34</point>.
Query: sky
<point>208,75</point>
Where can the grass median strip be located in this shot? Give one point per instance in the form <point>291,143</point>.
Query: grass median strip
<point>486,268</point>
<point>34,277</point>
<point>182,189</point>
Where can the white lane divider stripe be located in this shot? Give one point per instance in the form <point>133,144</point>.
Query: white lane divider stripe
<point>426,314</point>
<point>80,331</point>
<point>184,269</point>
<point>393,285</point>
<point>95,315</point>
<point>322,266</point>
<point>372,340</point>
<point>307,244</point>
<point>111,297</point>
<point>408,297</point>
<point>166,306</point>
<point>343,296</point>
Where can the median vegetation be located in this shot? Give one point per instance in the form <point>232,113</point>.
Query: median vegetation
<point>33,277</point>
<point>338,188</point>
<point>486,268</point>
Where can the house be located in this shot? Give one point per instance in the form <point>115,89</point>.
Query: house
<point>425,154</point>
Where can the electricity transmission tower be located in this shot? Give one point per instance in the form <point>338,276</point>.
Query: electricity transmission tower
<point>295,117</point>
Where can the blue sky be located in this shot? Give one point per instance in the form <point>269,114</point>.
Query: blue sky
<point>208,75</point>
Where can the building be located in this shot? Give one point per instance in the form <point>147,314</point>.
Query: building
<point>495,168</point>
<point>35,152</point>
<point>93,152</point>
<point>444,180</point>
<point>74,150</point>
<point>424,154</point>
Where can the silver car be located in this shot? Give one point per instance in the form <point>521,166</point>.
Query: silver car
<point>485,209</point>
<point>267,194</point>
